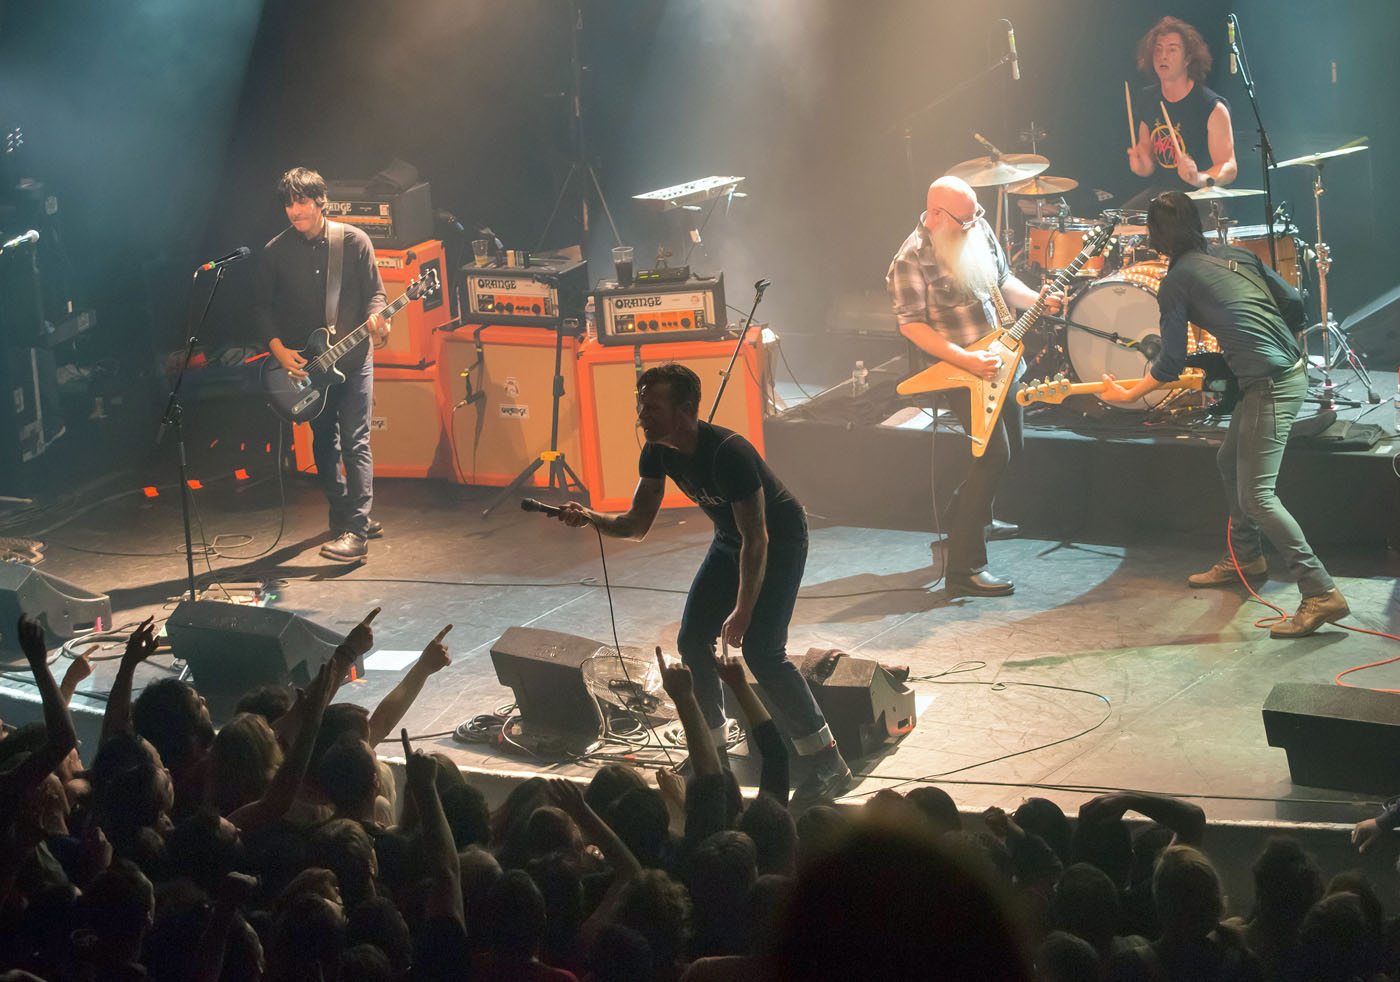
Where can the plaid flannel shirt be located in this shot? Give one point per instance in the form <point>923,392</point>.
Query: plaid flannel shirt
<point>921,293</point>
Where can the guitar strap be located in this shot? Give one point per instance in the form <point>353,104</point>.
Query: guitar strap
<point>335,265</point>
<point>1249,274</point>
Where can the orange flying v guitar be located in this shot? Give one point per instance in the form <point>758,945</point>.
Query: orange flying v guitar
<point>988,395</point>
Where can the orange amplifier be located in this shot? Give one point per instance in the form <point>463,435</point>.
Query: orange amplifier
<point>539,295</point>
<point>406,434</point>
<point>691,310</point>
<point>496,393</point>
<point>607,393</point>
<point>412,341</point>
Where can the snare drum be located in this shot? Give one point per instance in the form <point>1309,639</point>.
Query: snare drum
<point>1053,244</point>
<point>1255,238</point>
<point>1124,305</point>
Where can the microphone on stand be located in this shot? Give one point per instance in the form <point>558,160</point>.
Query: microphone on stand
<point>242,252</point>
<point>1011,43</point>
<point>987,145</point>
<point>1234,61</point>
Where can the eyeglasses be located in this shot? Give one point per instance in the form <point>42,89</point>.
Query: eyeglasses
<point>966,226</point>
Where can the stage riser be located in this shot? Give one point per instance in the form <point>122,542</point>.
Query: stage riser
<point>1071,487</point>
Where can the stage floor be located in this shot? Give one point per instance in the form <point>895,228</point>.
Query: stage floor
<point>1103,670</point>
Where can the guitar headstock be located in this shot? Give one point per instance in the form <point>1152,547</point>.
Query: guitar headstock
<point>1101,237</point>
<point>424,285</point>
<point>1052,390</point>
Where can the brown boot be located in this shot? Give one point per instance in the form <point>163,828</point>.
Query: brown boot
<point>1223,573</point>
<point>1312,613</point>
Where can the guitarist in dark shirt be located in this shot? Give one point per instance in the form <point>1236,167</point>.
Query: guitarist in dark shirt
<point>1252,312</point>
<point>291,304</point>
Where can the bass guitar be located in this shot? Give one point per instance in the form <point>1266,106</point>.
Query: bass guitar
<point>988,395</point>
<point>300,400</point>
<point>1215,377</point>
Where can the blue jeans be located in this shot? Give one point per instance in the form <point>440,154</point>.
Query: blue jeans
<point>341,435</point>
<point>1249,461</point>
<point>711,600</point>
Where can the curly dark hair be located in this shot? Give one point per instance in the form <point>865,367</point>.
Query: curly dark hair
<point>1198,60</point>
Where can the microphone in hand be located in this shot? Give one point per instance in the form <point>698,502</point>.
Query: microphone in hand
<point>530,504</point>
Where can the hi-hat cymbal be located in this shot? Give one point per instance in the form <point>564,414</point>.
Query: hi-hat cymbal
<point>1038,187</point>
<point>983,172</point>
<point>1216,191</point>
<point>1314,158</point>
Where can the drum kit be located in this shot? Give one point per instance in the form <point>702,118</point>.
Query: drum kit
<point>1111,319</point>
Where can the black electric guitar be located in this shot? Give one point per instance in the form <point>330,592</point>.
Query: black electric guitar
<point>300,400</point>
<point>988,395</point>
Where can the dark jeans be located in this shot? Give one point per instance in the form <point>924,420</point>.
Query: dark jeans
<point>711,600</point>
<point>341,435</point>
<point>1249,460</point>
<point>966,520</point>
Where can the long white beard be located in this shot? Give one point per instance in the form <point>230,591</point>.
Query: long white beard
<point>966,258</point>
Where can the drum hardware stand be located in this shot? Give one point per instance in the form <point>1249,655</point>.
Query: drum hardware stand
<point>1266,150</point>
<point>580,167</point>
<point>1328,327</point>
<point>561,475</point>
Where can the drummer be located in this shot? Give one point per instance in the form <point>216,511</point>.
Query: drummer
<point>1175,53</point>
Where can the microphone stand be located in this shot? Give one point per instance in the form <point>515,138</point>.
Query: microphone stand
<point>173,416</point>
<point>759,287</point>
<point>1266,150</point>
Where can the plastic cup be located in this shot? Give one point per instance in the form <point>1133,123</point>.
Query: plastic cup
<point>622,260</point>
<point>481,251</point>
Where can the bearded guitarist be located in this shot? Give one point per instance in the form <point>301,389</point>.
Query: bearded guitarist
<point>293,300</point>
<point>943,284</point>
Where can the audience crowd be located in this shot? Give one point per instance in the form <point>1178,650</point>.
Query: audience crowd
<point>277,847</point>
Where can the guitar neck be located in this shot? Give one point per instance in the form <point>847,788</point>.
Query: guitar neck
<point>341,348</point>
<point>1056,391</point>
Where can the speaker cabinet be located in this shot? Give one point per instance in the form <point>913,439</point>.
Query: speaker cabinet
<point>1336,736</point>
<point>412,340</point>
<point>545,671</point>
<point>607,385</point>
<point>65,609</point>
<point>231,648</point>
<point>863,704</point>
<point>496,387</point>
<point>406,436</point>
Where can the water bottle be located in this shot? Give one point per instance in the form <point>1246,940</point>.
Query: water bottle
<point>860,379</point>
<point>590,319</point>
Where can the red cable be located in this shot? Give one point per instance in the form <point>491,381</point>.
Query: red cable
<point>1283,616</point>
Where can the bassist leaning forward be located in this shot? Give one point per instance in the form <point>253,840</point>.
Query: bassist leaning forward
<point>293,300</point>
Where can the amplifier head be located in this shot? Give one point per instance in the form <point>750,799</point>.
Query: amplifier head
<point>690,311</point>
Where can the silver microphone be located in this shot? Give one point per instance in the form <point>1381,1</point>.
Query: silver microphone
<point>1011,43</point>
<point>1234,62</point>
<point>19,240</point>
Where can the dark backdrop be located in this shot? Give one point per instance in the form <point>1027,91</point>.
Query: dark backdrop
<point>165,128</point>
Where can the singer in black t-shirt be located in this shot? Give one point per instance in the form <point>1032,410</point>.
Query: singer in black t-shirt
<point>1175,54</point>
<point>746,587</point>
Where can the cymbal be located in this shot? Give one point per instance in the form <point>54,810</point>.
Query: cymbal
<point>983,172</point>
<point>1216,191</point>
<point>1313,158</point>
<point>1040,186</point>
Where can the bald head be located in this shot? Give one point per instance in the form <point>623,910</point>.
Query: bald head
<point>951,196</point>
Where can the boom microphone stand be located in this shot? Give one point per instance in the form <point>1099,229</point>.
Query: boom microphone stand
<point>174,416</point>
<point>759,287</point>
<point>1266,150</point>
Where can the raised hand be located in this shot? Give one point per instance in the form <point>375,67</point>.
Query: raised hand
<point>31,640</point>
<point>142,643</point>
<point>671,785</point>
<point>731,670</point>
<point>434,657</point>
<point>421,769</point>
<point>79,668</point>
<point>567,797</point>
<point>675,679</point>
<point>361,636</point>
<point>1364,834</point>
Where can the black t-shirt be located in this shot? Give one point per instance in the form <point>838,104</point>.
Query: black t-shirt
<point>1190,115</point>
<point>726,468</point>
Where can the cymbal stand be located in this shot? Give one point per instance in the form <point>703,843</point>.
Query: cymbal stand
<point>1327,398</point>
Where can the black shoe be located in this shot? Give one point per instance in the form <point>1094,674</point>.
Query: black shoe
<point>829,779</point>
<point>374,529</point>
<point>983,584</point>
<point>348,548</point>
<point>1003,530</point>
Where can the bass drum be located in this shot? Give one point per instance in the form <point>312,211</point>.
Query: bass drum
<point>1124,305</point>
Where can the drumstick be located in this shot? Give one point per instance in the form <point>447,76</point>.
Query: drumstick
<point>1132,126</point>
<point>1171,127</point>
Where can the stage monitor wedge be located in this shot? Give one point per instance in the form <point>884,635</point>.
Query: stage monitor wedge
<point>65,609</point>
<point>1336,736</point>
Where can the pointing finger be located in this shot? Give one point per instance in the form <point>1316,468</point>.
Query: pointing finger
<point>369,618</point>
<point>407,747</point>
<point>660,659</point>
<point>443,633</point>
